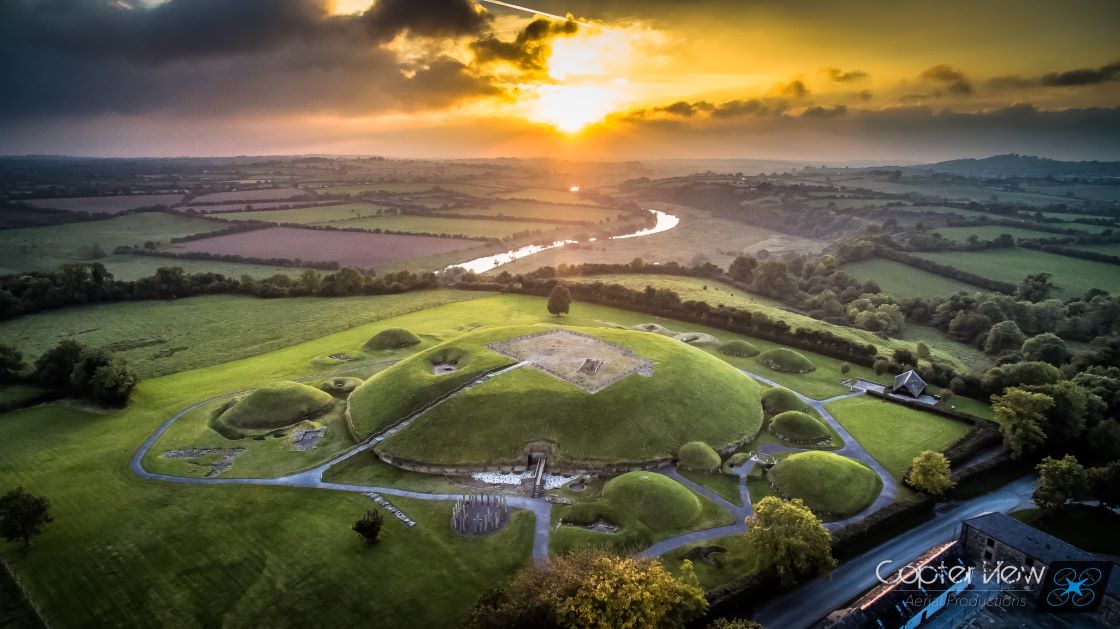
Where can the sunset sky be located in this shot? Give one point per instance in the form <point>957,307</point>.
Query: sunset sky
<point>624,79</point>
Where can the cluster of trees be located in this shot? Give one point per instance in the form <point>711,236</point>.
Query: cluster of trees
<point>79,284</point>
<point>591,588</point>
<point>74,370</point>
<point>1065,481</point>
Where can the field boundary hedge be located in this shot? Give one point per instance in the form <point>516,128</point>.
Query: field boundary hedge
<point>945,270</point>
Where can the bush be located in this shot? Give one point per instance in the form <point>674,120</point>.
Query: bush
<point>698,456</point>
<point>780,400</point>
<point>738,348</point>
<point>786,360</point>
<point>392,338</point>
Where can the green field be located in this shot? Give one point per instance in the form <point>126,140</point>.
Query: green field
<point>903,281</point>
<point>218,555</point>
<point>718,293</point>
<point>548,195</point>
<point>473,228</point>
<point>530,209</point>
<point>44,248</point>
<point>1072,275</point>
<point>1111,248</point>
<point>161,337</point>
<point>311,215</point>
<point>990,232</point>
<point>877,425</point>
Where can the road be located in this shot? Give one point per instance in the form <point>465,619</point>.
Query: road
<point>816,599</point>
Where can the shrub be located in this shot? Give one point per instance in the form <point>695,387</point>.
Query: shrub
<point>392,338</point>
<point>698,456</point>
<point>738,348</point>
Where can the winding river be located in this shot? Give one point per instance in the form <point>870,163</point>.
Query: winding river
<point>665,222</point>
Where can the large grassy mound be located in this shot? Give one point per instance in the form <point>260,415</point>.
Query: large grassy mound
<point>635,419</point>
<point>780,400</point>
<point>799,427</point>
<point>275,406</point>
<point>657,501</point>
<point>830,484</point>
<point>392,338</point>
<point>785,360</point>
<point>739,348</point>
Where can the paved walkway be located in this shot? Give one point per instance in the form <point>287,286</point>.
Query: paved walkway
<point>852,449</point>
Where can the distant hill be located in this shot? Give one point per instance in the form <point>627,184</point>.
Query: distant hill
<point>1014,165</point>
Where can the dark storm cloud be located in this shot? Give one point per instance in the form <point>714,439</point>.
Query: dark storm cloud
<point>206,57</point>
<point>840,76</point>
<point>529,49</point>
<point>1069,78</point>
<point>426,18</point>
<point>955,80</point>
<point>824,112</point>
<point>1083,76</point>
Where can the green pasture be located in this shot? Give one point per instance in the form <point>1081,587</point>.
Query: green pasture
<point>903,281</point>
<point>1074,276</point>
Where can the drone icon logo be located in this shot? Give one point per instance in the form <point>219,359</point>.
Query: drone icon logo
<point>1074,586</point>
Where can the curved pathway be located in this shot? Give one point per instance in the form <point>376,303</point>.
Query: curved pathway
<point>541,509</point>
<point>851,449</point>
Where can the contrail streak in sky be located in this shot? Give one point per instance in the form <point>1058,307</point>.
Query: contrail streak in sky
<point>542,13</point>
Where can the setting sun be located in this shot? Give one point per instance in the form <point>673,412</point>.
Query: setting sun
<point>570,108</point>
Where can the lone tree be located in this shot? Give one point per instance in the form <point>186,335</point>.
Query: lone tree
<point>591,588</point>
<point>369,527</point>
<point>1023,415</point>
<point>791,538</point>
<point>929,472</point>
<point>559,300</point>
<point>23,515</point>
<point>1060,482</point>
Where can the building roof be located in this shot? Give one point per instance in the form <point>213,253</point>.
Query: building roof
<point>890,605</point>
<point>1035,543</point>
<point>910,382</point>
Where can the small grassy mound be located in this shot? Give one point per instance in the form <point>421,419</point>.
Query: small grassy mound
<point>340,386</point>
<point>780,400</point>
<point>657,501</point>
<point>275,406</point>
<point>799,427</point>
<point>654,328</point>
<point>698,457</point>
<point>786,360</point>
<point>392,338</point>
<point>738,348</point>
<point>698,339</point>
<point>830,484</point>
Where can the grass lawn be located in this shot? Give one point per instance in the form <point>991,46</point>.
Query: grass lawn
<point>718,293</point>
<point>903,281</point>
<point>1089,528</point>
<point>724,485</point>
<point>160,337</point>
<point>737,559</point>
<point>1072,275</point>
<point>44,248</point>
<point>125,551</point>
<point>894,434</point>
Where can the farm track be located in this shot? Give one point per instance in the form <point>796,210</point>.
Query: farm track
<point>541,509</point>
